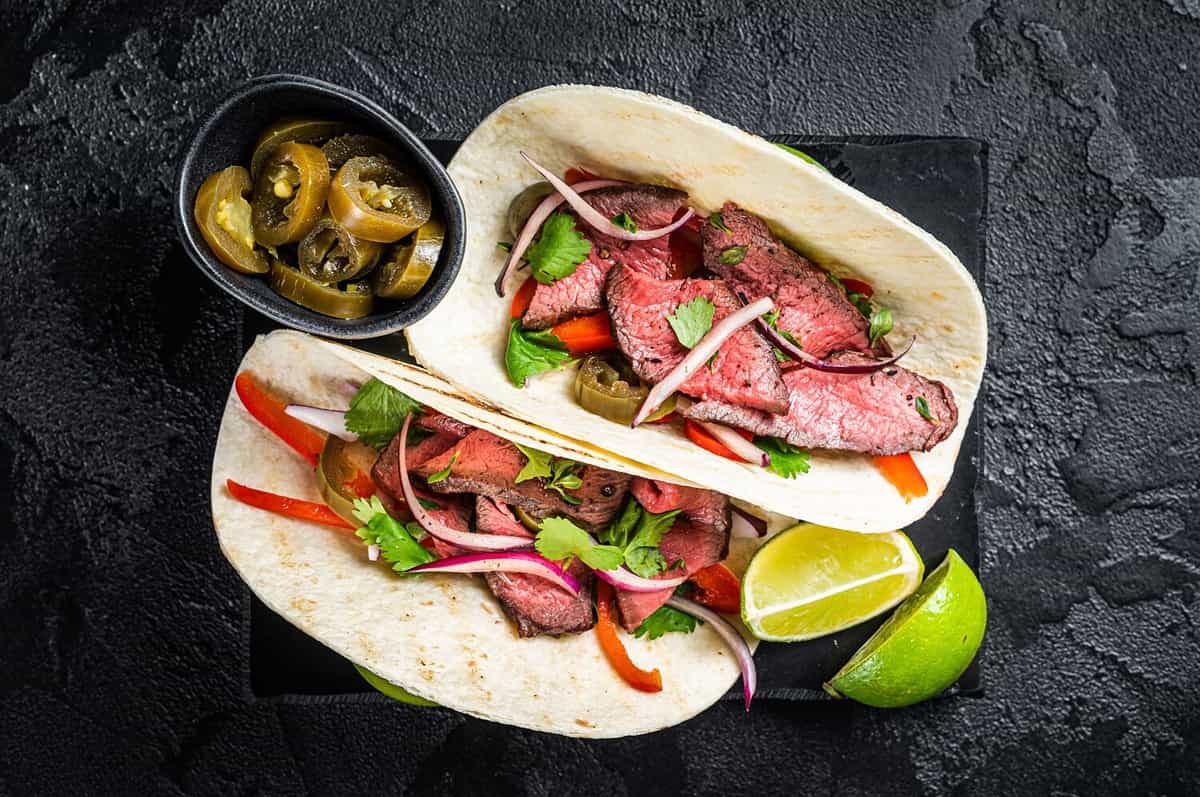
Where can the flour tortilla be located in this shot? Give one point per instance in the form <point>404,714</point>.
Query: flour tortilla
<point>626,134</point>
<point>444,638</point>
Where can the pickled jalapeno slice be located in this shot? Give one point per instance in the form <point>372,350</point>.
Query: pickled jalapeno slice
<point>355,145</point>
<point>377,200</point>
<point>305,131</point>
<point>408,265</point>
<point>330,254</point>
<point>223,215</point>
<point>290,193</point>
<point>355,301</point>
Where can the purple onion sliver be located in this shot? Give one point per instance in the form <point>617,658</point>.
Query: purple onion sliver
<point>741,650</point>
<point>598,219</point>
<point>744,524</point>
<point>525,562</point>
<point>632,582</point>
<point>331,421</point>
<point>707,347</point>
<point>736,443</point>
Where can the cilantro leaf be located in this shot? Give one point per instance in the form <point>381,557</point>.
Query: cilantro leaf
<point>787,460</point>
<point>618,533</point>
<point>665,620</point>
<point>427,504</point>
<point>834,279</point>
<point>377,412</point>
<point>881,324</point>
<point>561,540</point>
<point>718,222</point>
<point>733,255</point>
<point>564,478</point>
<point>923,410</point>
<point>804,156</point>
<point>625,222</point>
<point>861,302</point>
<point>692,320</point>
<point>772,319</point>
<point>642,555</point>
<point>532,353</point>
<point>537,465</point>
<point>396,541</point>
<point>444,473</point>
<point>558,251</point>
<point>505,245</point>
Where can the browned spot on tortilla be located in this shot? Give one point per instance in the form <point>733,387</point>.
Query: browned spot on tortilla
<point>303,605</point>
<point>426,603</point>
<point>584,724</point>
<point>472,663</point>
<point>937,295</point>
<point>425,673</point>
<point>948,328</point>
<point>486,607</point>
<point>369,649</point>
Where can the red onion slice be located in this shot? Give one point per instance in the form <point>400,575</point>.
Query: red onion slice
<point>736,443</point>
<point>373,552</point>
<point>510,562</point>
<point>534,223</point>
<point>632,582</point>
<point>331,421</point>
<point>744,524</point>
<point>463,539</point>
<point>800,355</point>
<point>741,650</point>
<point>707,347</point>
<point>596,218</point>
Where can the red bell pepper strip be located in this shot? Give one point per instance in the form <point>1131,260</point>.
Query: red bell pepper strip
<point>283,505</point>
<point>522,298</point>
<point>902,472</point>
<point>269,411</point>
<point>700,437</point>
<point>718,589</point>
<point>573,175</point>
<point>587,334</point>
<point>686,256</point>
<point>614,649</point>
<point>858,286</point>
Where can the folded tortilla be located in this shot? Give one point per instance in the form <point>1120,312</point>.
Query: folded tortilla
<point>629,135</point>
<point>442,637</point>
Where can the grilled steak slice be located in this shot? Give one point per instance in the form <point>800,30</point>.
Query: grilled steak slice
<point>534,604</point>
<point>488,465</point>
<point>698,546</point>
<point>706,508</point>
<point>581,293</point>
<point>437,422</point>
<point>745,371</point>
<point>811,306</point>
<point>872,413</point>
<point>386,471</point>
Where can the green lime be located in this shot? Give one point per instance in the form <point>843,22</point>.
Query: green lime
<point>923,647</point>
<point>391,690</point>
<point>812,580</point>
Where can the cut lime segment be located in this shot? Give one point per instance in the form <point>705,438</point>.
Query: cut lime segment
<point>391,690</point>
<point>812,580</point>
<point>924,646</point>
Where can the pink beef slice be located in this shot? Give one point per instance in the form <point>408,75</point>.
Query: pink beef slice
<point>872,413</point>
<point>745,371</point>
<point>581,293</point>
<point>698,546</point>
<point>811,307</point>
<point>437,422</point>
<point>534,604</point>
<point>386,471</point>
<point>705,508</point>
<point>488,465</point>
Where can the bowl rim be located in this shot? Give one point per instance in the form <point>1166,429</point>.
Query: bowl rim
<point>376,324</point>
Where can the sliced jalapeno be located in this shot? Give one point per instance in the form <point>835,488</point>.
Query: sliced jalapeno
<point>223,215</point>
<point>290,193</point>
<point>523,204</point>
<point>408,265</point>
<point>610,390</point>
<point>355,301</point>
<point>340,472</point>
<point>375,199</point>
<point>306,131</point>
<point>329,254</point>
<point>355,145</point>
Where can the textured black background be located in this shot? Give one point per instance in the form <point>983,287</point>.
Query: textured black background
<point>121,641</point>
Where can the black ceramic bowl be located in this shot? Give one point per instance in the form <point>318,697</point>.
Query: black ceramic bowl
<point>227,136</point>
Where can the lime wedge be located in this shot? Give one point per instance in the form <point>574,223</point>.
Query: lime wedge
<point>812,580</point>
<point>924,646</point>
<point>391,690</point>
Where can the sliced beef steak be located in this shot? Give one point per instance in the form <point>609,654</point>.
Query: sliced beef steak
<point>811,306</point>
<point>534,604</point>
<point>873,413</point>
<point>698,546</point>
<point>437,422</point>
<point>386,471</point>
<point>582,293</point>
<point>745,371</point>
<point>488,465</point>
<point>706,508</point>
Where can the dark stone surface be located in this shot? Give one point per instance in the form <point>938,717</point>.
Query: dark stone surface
<point>121,630</point>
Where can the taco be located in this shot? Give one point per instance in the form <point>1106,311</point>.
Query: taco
<point>472,560</point>
<point>692,298</point>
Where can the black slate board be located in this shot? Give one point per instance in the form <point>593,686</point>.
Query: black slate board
<point>938,183</point>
